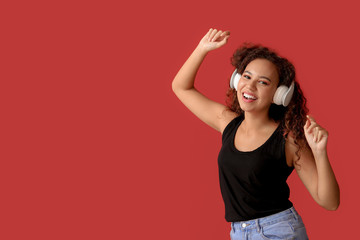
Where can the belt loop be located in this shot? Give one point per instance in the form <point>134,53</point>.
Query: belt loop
<point>294,213</point>
<point>257,225</point>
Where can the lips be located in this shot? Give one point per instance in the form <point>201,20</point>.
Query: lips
<point>249,96</point>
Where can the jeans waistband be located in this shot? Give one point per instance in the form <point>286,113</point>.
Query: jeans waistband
<point>271,219</point>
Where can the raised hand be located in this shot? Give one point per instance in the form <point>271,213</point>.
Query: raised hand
<point>214,39</point>
<point>315,135</point>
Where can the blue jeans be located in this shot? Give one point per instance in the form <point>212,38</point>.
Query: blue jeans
<point>283,225</point>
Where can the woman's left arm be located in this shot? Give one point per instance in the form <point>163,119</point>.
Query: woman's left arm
<point>314,168</point>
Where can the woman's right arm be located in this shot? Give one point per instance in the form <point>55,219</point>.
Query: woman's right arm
<point>212,113</point>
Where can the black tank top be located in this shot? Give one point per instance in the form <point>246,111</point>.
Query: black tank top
<point>253,184</point>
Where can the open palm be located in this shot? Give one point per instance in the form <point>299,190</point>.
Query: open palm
<point>214,39</point>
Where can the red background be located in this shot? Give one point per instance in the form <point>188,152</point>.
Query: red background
<point>95,145</point>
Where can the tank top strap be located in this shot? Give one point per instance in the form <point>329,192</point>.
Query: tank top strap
<point>230,127</point>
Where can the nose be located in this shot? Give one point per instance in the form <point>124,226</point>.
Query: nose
<point>251,84</point>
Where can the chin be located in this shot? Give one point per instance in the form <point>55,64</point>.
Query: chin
<point>245,108</point>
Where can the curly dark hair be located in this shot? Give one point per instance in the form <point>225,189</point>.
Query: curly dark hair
<point>291,118</point>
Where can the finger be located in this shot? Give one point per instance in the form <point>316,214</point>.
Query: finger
<point>213,32</point>
<point>216,36</point>
<point>307,124</point>
<point>316,134</point>
<point>311,127</point>
<point>310,118</point>
<point>313,123</point>
<point>225,33</point>
<point>223,42</point>
<point>226,38</point>
<point>323,134</point>
<point>320,135</point>
<point>208,33</point>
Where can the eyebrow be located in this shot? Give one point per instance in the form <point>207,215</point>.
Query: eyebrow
<point>260,76</point>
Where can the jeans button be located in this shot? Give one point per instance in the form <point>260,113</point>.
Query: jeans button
<point>243,225</point>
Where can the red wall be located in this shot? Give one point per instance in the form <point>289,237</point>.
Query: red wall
<point>96,146</point>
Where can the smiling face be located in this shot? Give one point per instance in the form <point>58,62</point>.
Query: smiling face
<point>257,85</point>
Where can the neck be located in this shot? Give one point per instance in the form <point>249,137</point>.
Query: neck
<point>257,121</point>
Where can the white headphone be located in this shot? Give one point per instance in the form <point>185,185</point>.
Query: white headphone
<point>282,95</point>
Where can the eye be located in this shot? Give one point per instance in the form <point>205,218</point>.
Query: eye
<point>263,82</point>
<point>246,77</point>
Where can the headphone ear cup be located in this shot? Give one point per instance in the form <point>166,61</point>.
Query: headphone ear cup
<point>279,94</point>
<point>283,95</point>
<point>235,78</point>
<point>288,95</point>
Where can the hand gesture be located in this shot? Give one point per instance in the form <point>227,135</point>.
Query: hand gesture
<point>214,39</point>
<point>315,135</point>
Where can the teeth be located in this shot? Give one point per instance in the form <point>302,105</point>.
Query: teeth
<point>249,96</point>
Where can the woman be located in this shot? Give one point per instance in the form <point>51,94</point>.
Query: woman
<point>265,135</point>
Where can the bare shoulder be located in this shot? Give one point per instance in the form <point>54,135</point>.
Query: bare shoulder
<point>225,118</point>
